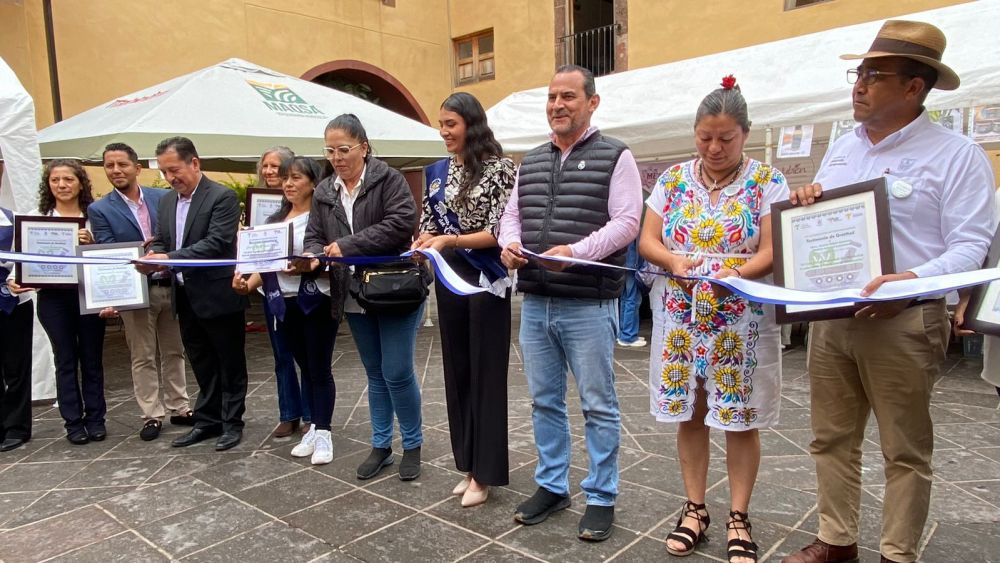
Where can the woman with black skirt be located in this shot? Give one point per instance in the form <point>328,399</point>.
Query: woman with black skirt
<point>465,198</point>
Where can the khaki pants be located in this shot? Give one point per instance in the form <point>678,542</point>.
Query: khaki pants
<point>887,367</point>
<point>144,330</point>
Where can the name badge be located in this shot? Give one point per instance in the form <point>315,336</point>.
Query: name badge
<point>901,189</point>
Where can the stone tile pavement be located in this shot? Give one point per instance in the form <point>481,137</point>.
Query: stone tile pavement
<point>128,500</point>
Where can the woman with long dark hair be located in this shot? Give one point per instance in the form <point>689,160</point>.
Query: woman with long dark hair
<point>367,209</point>
<point>77,340</point>
<point>465,197</point>
<point>300,306</point>
<point>293,399</point>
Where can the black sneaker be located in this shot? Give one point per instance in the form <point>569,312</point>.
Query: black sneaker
<point>150,430</point>
<point>409,468</point>
<point>596,523</point>
<point>378,459</point>
<point>541,504</point>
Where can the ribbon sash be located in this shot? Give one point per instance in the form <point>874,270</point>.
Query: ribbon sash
<point>486,260</point>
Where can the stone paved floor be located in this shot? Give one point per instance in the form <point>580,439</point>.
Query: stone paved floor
<point>128,500</point>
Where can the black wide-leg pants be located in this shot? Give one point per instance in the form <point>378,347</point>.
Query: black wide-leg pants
<point>475,342</point>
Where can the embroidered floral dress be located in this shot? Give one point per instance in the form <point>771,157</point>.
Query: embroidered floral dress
<point>728,345</point>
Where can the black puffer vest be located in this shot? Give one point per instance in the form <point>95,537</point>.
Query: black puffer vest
<point>562,205</point>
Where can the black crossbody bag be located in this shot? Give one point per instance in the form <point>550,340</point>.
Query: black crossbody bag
<point>398,288</point>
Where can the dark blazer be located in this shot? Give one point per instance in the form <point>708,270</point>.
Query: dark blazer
<point>209,232</point>
<point>111,220</point>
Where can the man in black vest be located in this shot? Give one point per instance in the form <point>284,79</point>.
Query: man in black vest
<point>578,196</point>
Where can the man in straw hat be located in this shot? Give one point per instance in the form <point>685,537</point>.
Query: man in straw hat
<point>886,358</point>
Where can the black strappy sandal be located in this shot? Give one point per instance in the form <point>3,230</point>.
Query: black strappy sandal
<point>686,535</point>
<point>739,547</point>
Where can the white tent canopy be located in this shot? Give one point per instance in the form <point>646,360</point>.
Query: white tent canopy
<point>789,82</point>
<point>233,111</point>
<point>19,192</point>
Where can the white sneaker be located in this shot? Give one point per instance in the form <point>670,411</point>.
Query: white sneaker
<point>637,343</point>
<point>324,448</point>
<point>307,445</point>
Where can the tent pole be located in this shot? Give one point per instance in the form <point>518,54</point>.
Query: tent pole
<point>768,145</point>
<point>50,49</point>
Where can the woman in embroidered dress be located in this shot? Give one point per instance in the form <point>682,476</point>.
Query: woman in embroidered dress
<point>465,198</point>
<point>718,362</point>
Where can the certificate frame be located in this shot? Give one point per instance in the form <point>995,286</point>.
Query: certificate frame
<point>277,243</point>
<point>28,275</point>
<point>983,313</point>
<point>868,201</point>
<point>93,276</point>
<point>261,204</point>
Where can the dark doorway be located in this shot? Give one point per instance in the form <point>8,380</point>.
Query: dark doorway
<point>592,43</point>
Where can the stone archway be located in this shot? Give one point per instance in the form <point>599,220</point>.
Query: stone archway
<point>371,83</point>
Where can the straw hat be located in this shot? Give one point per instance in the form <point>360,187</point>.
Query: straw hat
<point>919,41</point>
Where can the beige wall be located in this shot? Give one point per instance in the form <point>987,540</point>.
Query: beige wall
<point>524,44</point>
<point>109,48</point>
<point>662,32</point>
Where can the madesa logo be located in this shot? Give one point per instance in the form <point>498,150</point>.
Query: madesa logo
<point>124,102</point>
<point>281,99</point>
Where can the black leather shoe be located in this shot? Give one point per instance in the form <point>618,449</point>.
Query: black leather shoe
<point>97,433</point>
<point>11,444</point>
<point>186,419</point>
<point>228,440</point>
<point>193,437</point>
<point>78,437</point>
<point>150,430</point>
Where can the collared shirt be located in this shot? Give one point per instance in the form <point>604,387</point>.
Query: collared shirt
<point>940,193</point>
<point>348,197</point>
<point>141,213</point>
<point>180,219</point>
<point>624,210</point>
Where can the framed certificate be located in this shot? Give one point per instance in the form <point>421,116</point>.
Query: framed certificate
<point>53,236</point>
<point>112,285</point>
<point>983,313</point>
<point>264,248</point>
<point>840,242</point>
<point>261,204</point>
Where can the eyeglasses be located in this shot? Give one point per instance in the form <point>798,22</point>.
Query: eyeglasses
<point>868,76</point>
<point>342,150</point>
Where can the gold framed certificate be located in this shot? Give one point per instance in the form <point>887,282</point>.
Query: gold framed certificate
<point>119,286</point>
<point>261,204</point>
<point>52,236</point>
<point>842,241</point>
<point>264,248</point>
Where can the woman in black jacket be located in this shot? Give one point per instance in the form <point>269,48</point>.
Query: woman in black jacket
<point>367,209</point>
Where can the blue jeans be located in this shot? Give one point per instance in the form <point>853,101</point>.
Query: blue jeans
<point>293,399</point>
<point>386,344</point>
<point>631,298</point>
<point>557,333</point>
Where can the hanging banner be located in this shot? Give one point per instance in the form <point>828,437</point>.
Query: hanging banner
<point>795,141</point>
<point>986,123</point>
<point>952,119</point>
<point>840,128</point>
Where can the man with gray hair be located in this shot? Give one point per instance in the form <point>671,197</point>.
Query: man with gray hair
<point>577,196</point>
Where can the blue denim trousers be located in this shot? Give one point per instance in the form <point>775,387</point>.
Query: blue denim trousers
<point>557,333</point>
<point>293,398</point>
<point>386,344</point>
<point>631,298</point>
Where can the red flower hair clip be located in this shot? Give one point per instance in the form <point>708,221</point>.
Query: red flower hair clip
<point>728,82</point>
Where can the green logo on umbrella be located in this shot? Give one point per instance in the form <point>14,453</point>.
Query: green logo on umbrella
<point>281,99</point>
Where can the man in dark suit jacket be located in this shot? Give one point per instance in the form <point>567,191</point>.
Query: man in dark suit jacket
<point>199,219</point>
<point>128,214</point>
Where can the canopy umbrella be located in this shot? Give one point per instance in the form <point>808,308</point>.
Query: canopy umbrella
<point>233,111</point>
<point>794,81</point>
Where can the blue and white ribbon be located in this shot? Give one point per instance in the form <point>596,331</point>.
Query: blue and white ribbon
<point>748,289</point>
